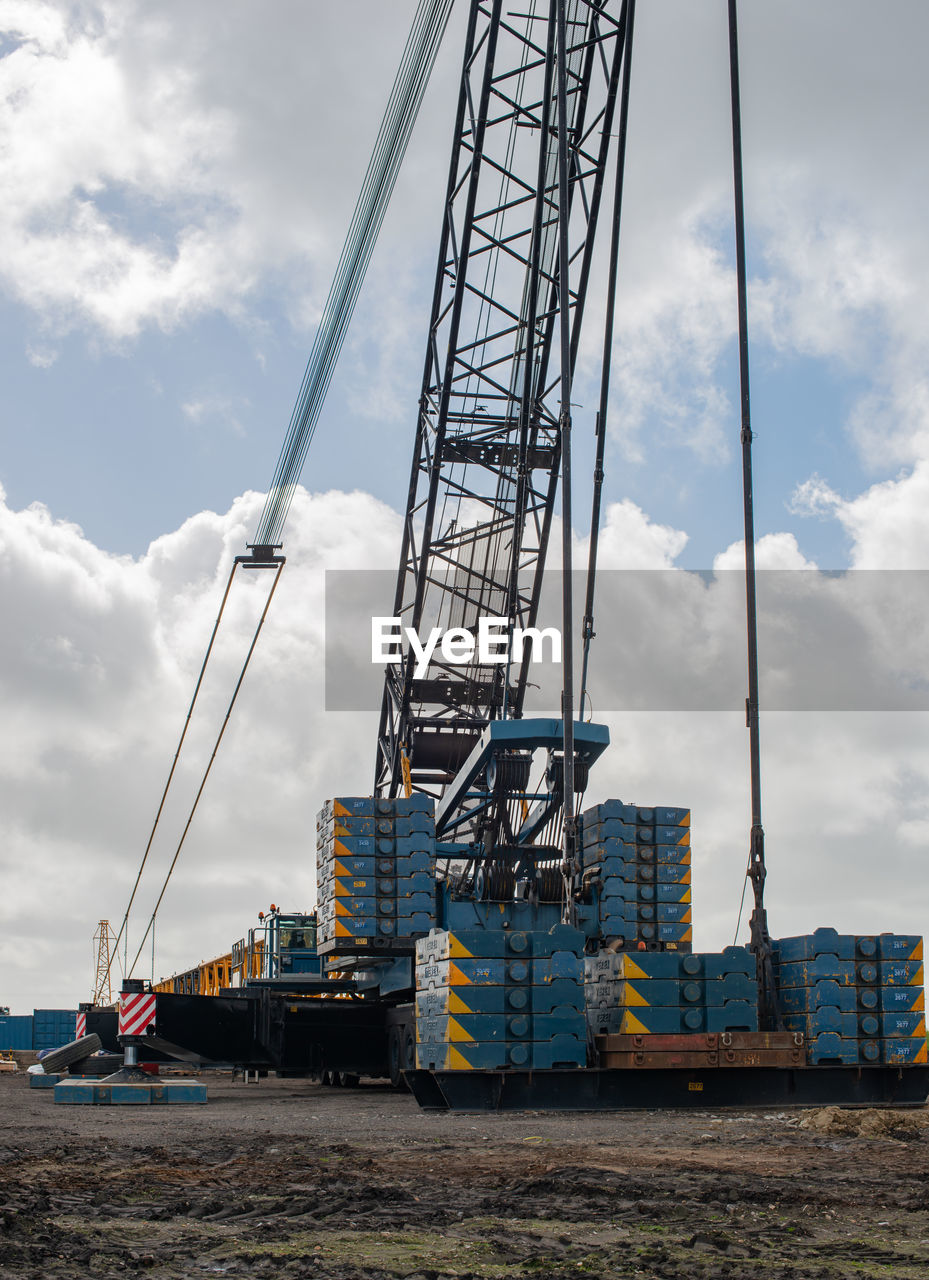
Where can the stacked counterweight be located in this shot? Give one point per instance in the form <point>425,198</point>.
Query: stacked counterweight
<point>668,993</point>
<point>639,861</point>
<point>375,861</point>
<point>491,999</point>
<point>857,999</point>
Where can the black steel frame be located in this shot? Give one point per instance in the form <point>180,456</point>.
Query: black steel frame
<point>487,455</point>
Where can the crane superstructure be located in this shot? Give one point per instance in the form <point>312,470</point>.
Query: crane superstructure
<point>473,929</point>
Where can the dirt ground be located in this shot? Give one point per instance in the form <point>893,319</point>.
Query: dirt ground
<point>289,1179</point>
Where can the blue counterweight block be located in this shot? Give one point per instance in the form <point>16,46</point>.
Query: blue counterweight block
<point>347,828</point>
<point>417,824</point>
<point>823,1021</point>
<point>618,892</point>
<point>901,999</point>
<point>611,829</point>
<point>415,846</point>
<point>415,926</point>
<point>482,1028</point>
<point>348,807</point>
<point>345,869</point>
<point>611,809</point>
<point>672,912</point>
<point>830,1047</point>
<point>808,946</point>
<point>412,904</point>
<point>672,872</point>
<point>614,868</point>
<point>350,887</point>
<point>900,973</point>
<point>420,864</point>
<point>417,803</point>
<point>906,1051</point>
<point>899,946</point>
<point>498,943</point>
<point>805,973</point>
<point>735,1016</point>
<point>823,994</point>
<point>869,1025</point>
<point>668,853</point>
<point>351,907</point>
<point>610,847</point>
<point>669,817</point>
<point>418,882</point>
<point>352,847</point>
<point>529,999</point>
<point>719,964</point>
<point>662,892</point>
<point>497,972</point>
<point>561,1052</point>
<point>902,1024</point>
<point>649,992</point>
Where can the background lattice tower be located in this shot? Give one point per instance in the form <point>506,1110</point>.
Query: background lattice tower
<point>103,939</point>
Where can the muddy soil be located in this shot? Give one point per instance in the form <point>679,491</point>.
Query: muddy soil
<point>288,1179</point>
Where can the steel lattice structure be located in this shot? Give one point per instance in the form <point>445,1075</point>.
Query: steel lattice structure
<point>486,459</point>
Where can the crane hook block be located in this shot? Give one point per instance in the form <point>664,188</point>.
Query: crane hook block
<point>261,556</point>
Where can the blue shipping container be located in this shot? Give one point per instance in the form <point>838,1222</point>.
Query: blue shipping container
<point>52,1028</point>
<point>15,1032</point>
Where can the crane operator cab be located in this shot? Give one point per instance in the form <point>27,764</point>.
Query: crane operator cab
<point>289,944</point>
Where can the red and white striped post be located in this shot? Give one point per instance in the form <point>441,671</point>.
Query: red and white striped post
<point>137,1008</point>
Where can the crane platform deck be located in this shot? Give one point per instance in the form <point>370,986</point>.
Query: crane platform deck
<point>633,1089</point>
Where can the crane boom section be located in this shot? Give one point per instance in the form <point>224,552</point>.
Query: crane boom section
<point>485,467</point>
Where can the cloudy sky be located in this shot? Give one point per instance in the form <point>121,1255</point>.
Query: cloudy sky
<point>177,180</point>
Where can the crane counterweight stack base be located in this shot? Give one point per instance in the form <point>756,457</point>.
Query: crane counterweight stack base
<point>711,1088</point>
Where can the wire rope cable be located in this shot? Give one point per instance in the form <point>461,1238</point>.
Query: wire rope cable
<point>193,810</point>
<point>164,795</point>
<point>400,115</point>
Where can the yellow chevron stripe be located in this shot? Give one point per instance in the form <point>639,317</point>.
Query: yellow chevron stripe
<point>917,952</point>
<point>686,918</point>
<point>456,1032</point>
<point>457,1061</point>
<point>685,878</point>
<point>355,889</point>
<point>685,837</point>
<point>632,1026</point>
<point>686,822</point>
<point>456,978</point>
<point>632,970</point>
<point>921,1029</point>
<point>632,997</point>
<point>339,809</point>
<point>687,896</point>
<point>342,932</point>
<point>456,1004</point>
<point>918,980</point>
<point>457,950</point>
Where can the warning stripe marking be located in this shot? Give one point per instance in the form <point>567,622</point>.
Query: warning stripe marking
<point>136,1012</point>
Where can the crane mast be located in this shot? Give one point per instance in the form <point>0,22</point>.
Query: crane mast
<point>487,456</point>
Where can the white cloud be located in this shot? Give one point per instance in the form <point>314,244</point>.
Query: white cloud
<point>213,406</point>
<point>154,166</point>
<point>95,678</point>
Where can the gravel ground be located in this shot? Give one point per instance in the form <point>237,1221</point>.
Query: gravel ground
<point>289,1179</point>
